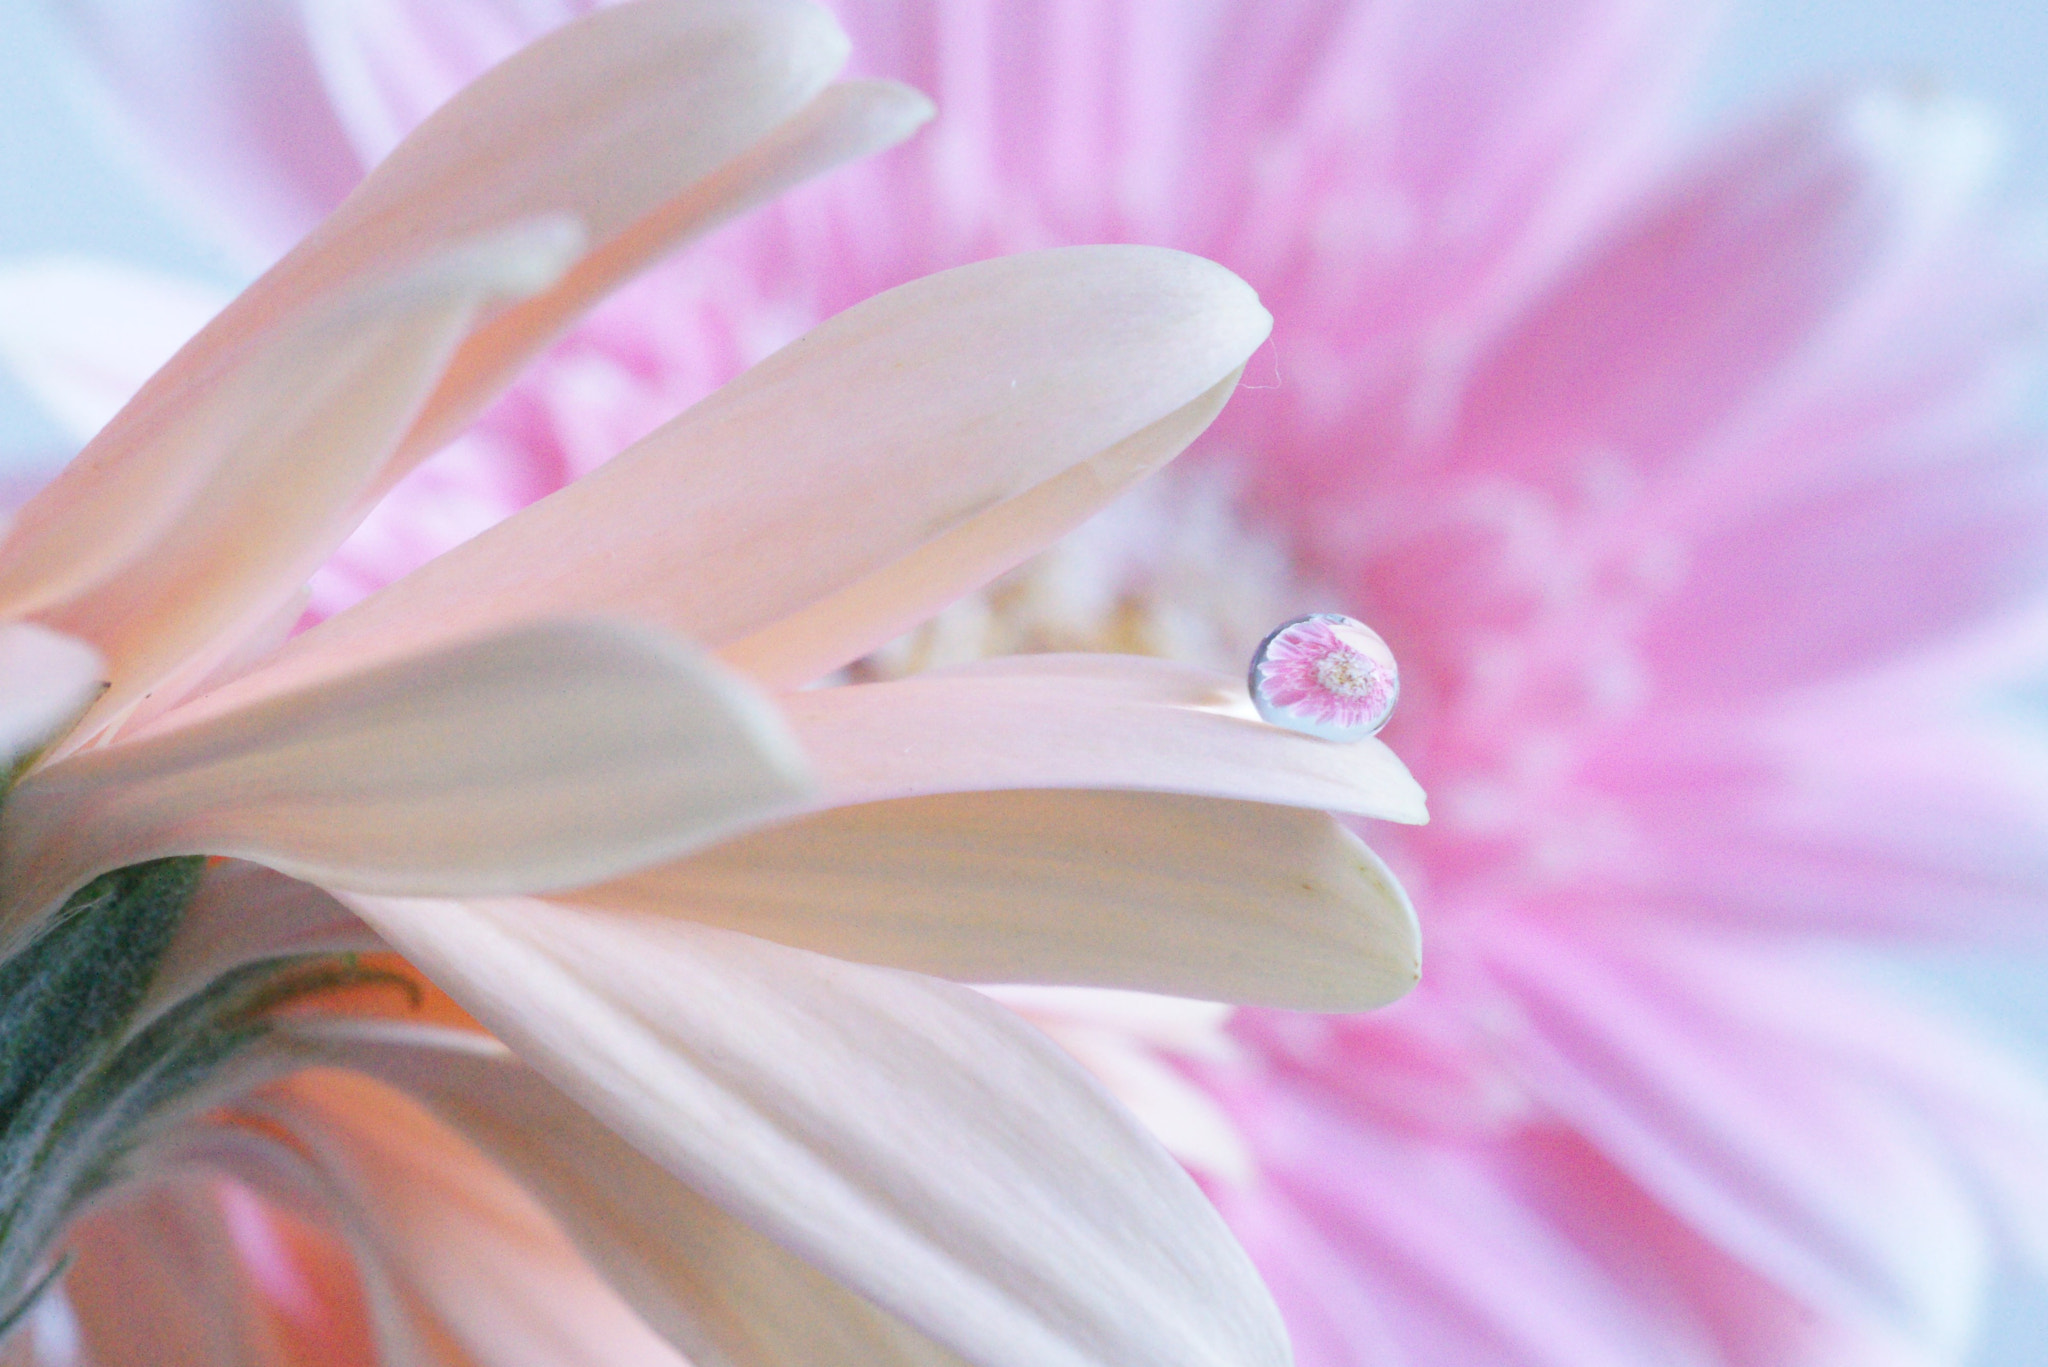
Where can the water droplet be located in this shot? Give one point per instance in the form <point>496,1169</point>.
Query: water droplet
<point>1326,675</point>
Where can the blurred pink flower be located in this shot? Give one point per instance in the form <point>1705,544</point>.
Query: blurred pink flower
<point>1689,494</point>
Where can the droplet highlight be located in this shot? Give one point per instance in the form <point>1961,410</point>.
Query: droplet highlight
<point>1325,675</point>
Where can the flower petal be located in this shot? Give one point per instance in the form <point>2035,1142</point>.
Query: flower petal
<point>909,1137</point>
<point>203,505</point>
<point>1233,901</point>
<point>637,119</point>
<point>1186,1118</point>
<point>606,117</point>
<point>604,121</point>
<point>551,756</point>
<point>972,414</point>
<point>159,1283</point>
<point>83,335</point>
<point>479,1266</point>
<point>1084,721</point>
<point>1696,319</point>
<point>714,1286</point>
<point>847,121</point>
<point>47,680</point>
<point>1685,1061</point>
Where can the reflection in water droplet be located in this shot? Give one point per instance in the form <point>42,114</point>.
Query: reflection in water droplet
<point>1326,675</point>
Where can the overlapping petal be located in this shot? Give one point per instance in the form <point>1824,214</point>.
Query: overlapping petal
<point>949,413</point>
<point>476,1270</point>
<point>1210,898</point>
<point>1084,721</point>
<point>161,1281</point>
<point>553,755</point>
<point>202,507</point>
<point>715,1287</point>
<point>910,1138</point>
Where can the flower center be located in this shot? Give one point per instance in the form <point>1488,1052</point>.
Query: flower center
<point>1347,673</point>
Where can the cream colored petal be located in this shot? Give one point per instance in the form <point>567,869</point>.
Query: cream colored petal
<point>1237,901</point>
<point>1084,721</point>
<point>720,1291</point>
<point>604,121</point>
<point>82,335</point>
<point>651,122</point>
<point>847,121</point>
<point>1186,1119</point>
<point>481,1270</point>
<point>193,517</point>
<point>1197,1029</point>
<point>925,417</point>
<point>47,680</point>
<point>553,755</point>
<point>910,1138</point>
<point>870,611</point>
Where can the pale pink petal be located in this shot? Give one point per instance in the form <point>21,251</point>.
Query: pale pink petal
<point>47,681</point>
<point>1885,563</point>
<point>1528,1250</point>
<point>603,122</point>
<point>487,1271</point>
<point>1084,721</point>
<point>1838,816</point>
<point>845,122</point>
<point>715,1287</point>
<point>555,755</point>
<point>201,508</point>
<point>1192,1029</point>
<point>1382,165</point>
<point>1426,1247</point>
<point>159,1283</point>
<point>82,335</point>
<point>1236,901</point>
<point>1187,1120</point>
<point>1684,326</point>
<point>606,120</point>
<point>913,1139</point>
<point>969,418</point>
<point>1673,1059</point>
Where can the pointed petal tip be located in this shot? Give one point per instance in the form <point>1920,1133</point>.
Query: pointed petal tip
<point>901,107</point>
<point>1206,303</point>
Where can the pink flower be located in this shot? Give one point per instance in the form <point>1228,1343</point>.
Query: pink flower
<point>726,1105</point>
<point>1327,675</point>
<point>1687,491</point>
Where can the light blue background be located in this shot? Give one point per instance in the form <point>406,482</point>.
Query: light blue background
<point>60,189</point>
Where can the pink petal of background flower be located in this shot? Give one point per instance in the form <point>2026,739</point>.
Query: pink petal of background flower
<point>1689,490</point>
